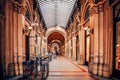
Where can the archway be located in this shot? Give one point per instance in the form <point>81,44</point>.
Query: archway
<point>56,36</point>
<point>56,42</point>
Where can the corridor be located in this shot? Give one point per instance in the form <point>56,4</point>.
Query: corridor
<point>65,69</point>
<point>85,32</point>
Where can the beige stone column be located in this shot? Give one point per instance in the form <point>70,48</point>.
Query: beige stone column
<point>21,24</point>
<point>15,41</point>
<point>81,46</point>
<point>66,48</point>
<point>43,47</point>
<point>101,40</point>
<point>96,40</point>
<point>45,43</point>
<point>108,42</point>
<point>74,47</point>
<point>70,47</point>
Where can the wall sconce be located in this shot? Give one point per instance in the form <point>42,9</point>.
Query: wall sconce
<point>24,30</point>
<point>92,31</point>
<point>85,28</point>
<point>30,27</point>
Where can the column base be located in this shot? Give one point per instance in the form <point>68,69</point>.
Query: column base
<point>11,69</point>
<point>106,71</point>
<point>95,68</point>
<point>90,67</point>
<point>73,58</point>
<point>100,70</point>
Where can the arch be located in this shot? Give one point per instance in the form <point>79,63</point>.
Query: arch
<point>87,13</point>
<point>56,36</point>
<point>55,45</point>
<point>28,8</point>
<point>56,29</point>
<point>84,8</point>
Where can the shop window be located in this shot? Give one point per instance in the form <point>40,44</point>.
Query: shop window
<point>117,36</point>
<point>27,15</point>
<point>87,13</point>
<point>118,45</point>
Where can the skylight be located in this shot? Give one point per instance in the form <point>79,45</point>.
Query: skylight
<point>56,12</point>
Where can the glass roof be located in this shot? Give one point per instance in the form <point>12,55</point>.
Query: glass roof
<point>56,12</point>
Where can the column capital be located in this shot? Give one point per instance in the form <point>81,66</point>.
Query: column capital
<point>101,8</point>
<point>18,6</point>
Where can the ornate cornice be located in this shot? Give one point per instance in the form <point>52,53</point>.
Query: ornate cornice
<point>19,7</point>
<point>96,8</point>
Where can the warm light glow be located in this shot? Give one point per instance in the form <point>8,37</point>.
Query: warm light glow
<point>30,27</point>
<point>85,28</point>
<point>117,45</point>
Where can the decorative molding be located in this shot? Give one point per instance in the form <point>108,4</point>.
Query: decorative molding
<point>95,9</point>
<point>101,8</point>
<point>18,6</point>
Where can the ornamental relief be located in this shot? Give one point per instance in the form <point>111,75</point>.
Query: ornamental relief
<point>100,8</point>
<point>18,6</point>
<point>95,9</point>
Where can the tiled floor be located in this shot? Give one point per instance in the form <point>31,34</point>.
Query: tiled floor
<point>64,69</point>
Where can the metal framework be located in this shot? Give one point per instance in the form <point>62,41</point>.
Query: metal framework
<point>56,12</point>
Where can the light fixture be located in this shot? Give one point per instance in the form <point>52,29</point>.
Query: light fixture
<point>85,28</point>
<point>30,27</point>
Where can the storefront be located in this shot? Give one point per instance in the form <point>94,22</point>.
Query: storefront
<point>116,40</point>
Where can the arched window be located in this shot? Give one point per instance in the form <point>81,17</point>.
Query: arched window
<point>27,14</point>
<point>87,13</point>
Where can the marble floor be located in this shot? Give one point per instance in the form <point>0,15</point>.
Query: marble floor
<point>62,68</point>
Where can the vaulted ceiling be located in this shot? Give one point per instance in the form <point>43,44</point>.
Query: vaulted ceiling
<point>56,36</point>
<point>56,12</point>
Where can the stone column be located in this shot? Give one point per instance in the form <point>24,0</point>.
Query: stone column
<point>81,46</point>
<point>107,43</point>
<point>21,25</point>
<point>96,40</point>
<point>15,15</point>
<point>101,39</point>
<point>74,47</point>
<point>70,47</point>
<point>45,41</point>
<point>66,48</point>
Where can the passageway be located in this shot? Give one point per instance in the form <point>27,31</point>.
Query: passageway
<point>63,68</point>
<point>84,34</point>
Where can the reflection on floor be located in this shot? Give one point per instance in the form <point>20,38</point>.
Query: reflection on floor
<point>64,69</point>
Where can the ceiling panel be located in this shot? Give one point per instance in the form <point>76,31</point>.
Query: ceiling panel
<point>56,12</point>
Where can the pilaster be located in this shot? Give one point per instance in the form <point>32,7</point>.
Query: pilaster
<point>101,40</point>
<point>96,39</point>
<point>74,46</point>
<point>82,46</point>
